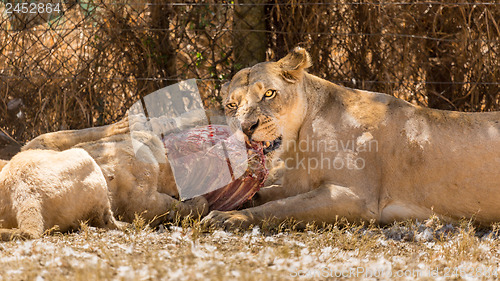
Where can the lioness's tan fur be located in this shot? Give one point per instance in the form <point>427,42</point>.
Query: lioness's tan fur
<point>41,189</point>
<point>421,160</point>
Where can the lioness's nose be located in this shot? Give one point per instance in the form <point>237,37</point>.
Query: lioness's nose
<point>249,127</point>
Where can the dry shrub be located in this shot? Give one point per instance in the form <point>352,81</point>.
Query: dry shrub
<point>87,66</point>
<point>445,56</point>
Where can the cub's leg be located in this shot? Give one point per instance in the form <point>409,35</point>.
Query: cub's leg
<point>11,234</point>
<point>31,224</point>
<point>321,205</point>
<point>29,219</point>
<point>63,140</point>
<point>158,207</point>
<point>105,219</point>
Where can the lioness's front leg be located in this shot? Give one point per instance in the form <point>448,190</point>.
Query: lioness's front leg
<point>63,140</point>
<point>322,205</point>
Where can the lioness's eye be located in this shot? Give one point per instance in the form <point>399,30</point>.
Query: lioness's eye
<point>231,105</point>
<point>269,94</point>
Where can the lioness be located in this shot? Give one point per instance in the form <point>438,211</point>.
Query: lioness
<point>144,186</point>
<point>361,155</point>
<point>40,189</point>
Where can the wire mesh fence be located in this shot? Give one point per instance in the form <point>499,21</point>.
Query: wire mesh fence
<point>85,62</point>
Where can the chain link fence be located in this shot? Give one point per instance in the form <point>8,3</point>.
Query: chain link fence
<point>85,62</point>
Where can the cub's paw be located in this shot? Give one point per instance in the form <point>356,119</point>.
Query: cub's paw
<point>121,225</point>
<point>137,122</point>
<point>229,220</point>
<point>119,128</point>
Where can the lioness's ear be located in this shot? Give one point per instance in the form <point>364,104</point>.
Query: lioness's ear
<point>293,64</point>
<point>224,90</point>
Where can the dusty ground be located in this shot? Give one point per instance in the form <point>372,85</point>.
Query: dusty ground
<point>185,252</point>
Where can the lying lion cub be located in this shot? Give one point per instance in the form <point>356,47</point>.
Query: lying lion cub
<point>42,189</point>
<point>139,183</point>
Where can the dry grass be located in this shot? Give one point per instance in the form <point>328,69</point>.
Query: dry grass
<point>185,251</point>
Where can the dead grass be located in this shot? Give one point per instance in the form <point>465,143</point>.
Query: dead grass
<point>186,251</point>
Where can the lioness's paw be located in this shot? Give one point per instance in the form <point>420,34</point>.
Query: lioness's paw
<point>228,220</point>
<point>197,206</point>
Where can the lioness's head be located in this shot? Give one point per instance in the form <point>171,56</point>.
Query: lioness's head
<point>268,99</point>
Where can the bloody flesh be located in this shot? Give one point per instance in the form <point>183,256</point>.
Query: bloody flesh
<point>199,141</point>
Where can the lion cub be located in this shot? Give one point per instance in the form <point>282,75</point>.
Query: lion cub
<point>41,189</point>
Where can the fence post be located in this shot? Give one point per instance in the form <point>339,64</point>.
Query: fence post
<point>249,40</point>
<point>162,50</point>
